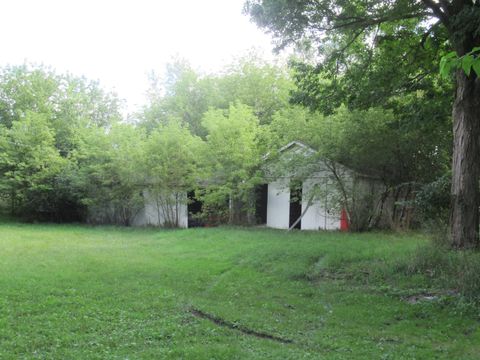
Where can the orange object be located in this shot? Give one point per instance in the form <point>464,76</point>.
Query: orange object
<point>344,221</point>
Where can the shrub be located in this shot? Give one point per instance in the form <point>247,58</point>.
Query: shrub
<point>457,271</point>
<point>433,202</point>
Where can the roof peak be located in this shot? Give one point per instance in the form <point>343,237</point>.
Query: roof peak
<point>297,143</point>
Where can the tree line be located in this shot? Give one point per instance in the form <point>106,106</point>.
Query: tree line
<point>68,154</point>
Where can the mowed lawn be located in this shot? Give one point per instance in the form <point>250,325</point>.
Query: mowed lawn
<point>76,292</point>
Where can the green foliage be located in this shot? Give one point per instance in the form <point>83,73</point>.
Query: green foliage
<point>290,124</point>
<point>110,175</point>
<point>127,294</point>
<point>186,95</point>
<point>354,69</point>
<point>253,82</point>
<point>209,133</point>
<point>373,142</point>
<point>44,117</point>
<point>183,95</point>
<point>433,200</point>
<point>233,155</point>
<point>172,168</point>
<point>358,139</point>
<point>171,157</point>
<point>23,89</point>
<point>385,58</point>
<point>467,62</point>
<point>382,53</point>
<point>407,143</point>
<point>29,164</point>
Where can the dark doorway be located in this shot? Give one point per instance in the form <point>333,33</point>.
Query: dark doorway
<point>194,209</point>
<point>261,200</point>
<point>295,204</point>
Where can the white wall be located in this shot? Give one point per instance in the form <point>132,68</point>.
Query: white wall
<point>323,213</point>
<point>278,206</point>
<point>314,218</point>
<point>317,216</point>
<point>150,216</point>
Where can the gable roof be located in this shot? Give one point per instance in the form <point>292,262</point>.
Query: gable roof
<point>300,144</point>
<point>308,149</point>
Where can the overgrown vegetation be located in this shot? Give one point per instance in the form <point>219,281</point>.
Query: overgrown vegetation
<point>105,292</point>
<point>386,54</point>
<point>67,155</point>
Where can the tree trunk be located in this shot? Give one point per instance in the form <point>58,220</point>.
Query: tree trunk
<point>309,203</point>
<point>466,162</point>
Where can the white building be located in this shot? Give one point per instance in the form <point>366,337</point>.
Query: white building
<point>316,197</point>
<point>283,211</point>
<point>159,211</point>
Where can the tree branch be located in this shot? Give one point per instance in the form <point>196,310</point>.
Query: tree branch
<point>309,203</point>
<point>366,22</point>
<point>428,32</point>
<point>445,5</point>
<point>350,42</point>
<point>438,11</point>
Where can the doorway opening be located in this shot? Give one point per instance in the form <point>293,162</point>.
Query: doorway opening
<point>295,204</point>
<point>194,208</point>
<point>261,200</point>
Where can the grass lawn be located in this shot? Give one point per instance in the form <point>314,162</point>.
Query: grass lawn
<point>74,292</point>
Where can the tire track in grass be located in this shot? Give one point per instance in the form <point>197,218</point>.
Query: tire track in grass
<point>224,323</point>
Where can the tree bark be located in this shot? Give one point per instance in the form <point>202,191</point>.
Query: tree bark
<point>309,203</point>
<point>466,162</point>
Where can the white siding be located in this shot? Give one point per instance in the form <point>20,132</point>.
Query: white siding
<point>278,206</point>
<point>317,216</point>
<point>314,218</point>
<point>149,216</point>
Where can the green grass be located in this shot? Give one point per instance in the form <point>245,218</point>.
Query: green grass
<point>74,292</point>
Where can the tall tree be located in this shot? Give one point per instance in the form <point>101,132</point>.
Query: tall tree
<point>29,165</point>
<point>233,157</point>
<point>109,173</point>
<point>256,83</point>
<point>186,95</point>
<point>49,114</point>
<point>171,167</point>
<point>340,25</point>
<point>181,94</point>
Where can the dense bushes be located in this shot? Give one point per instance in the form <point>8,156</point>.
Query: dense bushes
<point>66,154</point>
